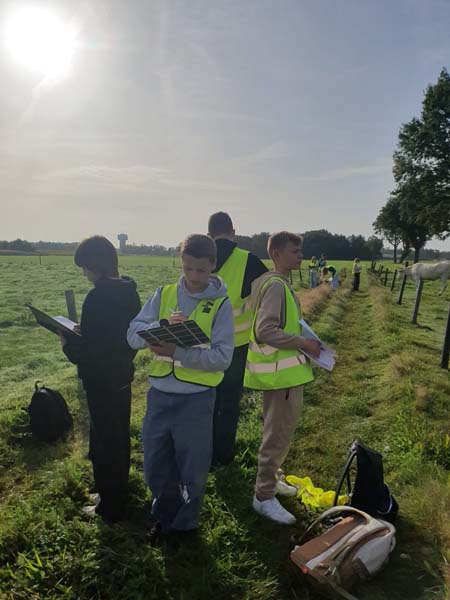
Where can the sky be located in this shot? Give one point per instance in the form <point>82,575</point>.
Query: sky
<point>284,113</point>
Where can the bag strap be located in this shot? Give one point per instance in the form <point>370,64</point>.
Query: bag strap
<point>338,557</point>
<point>343,593</point>
<point>36,387</point>
<point>353,452</point>
<point>334,510</point>
<point>337,588</point>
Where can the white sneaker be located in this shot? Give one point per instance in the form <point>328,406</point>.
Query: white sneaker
<point>284,489</point>
<point>273,510</point>
<point>94,499</point>
<point>89,510</point>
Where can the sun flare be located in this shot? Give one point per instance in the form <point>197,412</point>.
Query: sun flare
<point>41,42</point>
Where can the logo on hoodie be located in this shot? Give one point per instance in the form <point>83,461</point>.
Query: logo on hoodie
<point>207,307</point>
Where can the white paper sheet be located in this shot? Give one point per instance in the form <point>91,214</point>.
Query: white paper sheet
<point>327,358</point>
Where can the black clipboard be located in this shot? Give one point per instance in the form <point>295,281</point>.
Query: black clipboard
<point>52,323</point>
<point>186,334</point>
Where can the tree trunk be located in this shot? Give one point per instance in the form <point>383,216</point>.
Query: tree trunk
<point>395,253</point>
<point>416,253</point>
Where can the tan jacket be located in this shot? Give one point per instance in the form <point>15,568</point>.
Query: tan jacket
<point>271,312</point>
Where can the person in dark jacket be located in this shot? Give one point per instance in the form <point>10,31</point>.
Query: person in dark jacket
<point>105,366</point>
<point>238,269</point>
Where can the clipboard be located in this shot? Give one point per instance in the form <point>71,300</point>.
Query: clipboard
<point>56,325</point>
<point>327,357</point>
<point>185,335</point>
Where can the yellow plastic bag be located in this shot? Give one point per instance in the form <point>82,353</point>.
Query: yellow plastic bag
<point>314,498</point>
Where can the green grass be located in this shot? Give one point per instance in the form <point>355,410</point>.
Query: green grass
<point>387,388</point>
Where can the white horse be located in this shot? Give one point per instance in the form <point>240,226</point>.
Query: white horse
<point>420,271</point>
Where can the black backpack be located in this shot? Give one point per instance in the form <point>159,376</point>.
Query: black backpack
<point>369,492</point>
<point>50,418</point>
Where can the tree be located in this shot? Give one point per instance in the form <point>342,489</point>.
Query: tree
<point>422,162</point>
<point>415,234</point>
<point>388,224</point>
<point>375,246</point>
<point>17,245</point>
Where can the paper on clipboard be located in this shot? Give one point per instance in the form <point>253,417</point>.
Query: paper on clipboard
<point>327,358</point>
<point>56,325</point>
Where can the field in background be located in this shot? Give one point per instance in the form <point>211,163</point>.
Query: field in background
<point>387,388</point>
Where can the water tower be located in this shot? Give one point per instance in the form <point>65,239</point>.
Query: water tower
<point>122,237</point>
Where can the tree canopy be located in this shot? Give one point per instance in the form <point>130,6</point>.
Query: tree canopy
<point>419,206</point>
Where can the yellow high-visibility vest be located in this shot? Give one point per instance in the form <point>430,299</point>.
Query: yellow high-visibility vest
<point>270,368</point>
<point>203,315</point>
<point>232,272</point>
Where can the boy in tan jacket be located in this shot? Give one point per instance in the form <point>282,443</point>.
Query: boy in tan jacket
<point>276,364</point>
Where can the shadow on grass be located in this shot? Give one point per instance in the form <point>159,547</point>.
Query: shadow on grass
<point>266,540</point>
<point>408,574</point>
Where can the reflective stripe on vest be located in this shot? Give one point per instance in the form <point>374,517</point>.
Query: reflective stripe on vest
<point>284,363</point>
<point>270,368</point>
<point>203,315</point>
<point>232,272</point>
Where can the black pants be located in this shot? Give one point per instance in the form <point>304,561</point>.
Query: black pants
<point>109,447</point>
<point>356,278</point>
<point>226,409</point>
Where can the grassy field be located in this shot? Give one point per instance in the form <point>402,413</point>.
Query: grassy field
<point>387,389</point>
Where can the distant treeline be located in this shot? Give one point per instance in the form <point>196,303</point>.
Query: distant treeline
<point>17,246</point>
<point>315,243</point>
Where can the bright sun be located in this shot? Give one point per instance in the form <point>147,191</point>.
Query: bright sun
<point>41,42</point>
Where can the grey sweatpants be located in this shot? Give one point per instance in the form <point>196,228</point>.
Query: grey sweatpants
<point>177,438</point>
<point>281,410</point>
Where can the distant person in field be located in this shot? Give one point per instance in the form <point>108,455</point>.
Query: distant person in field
<point>105,366</point>
<point>178,425</point>
<point>322,261</point>
<point>313,268</point>
<point>277,365</point>
<point>328,271</point>
<point>356,270</point>
<point>238,269</point>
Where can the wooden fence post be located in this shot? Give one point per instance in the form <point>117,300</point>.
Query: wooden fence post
<point>417,302</point>
<point>71,306</point>
<point>386,276</point>
<point>374,264</point>
<point>393,280</point>
<point>402,289</point>
<point>446,346</point>
<point>380,272</point>
<point>300,276</point>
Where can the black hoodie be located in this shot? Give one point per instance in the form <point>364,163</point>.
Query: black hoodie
<point>103,355</point>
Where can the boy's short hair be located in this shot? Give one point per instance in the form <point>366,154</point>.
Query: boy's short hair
<point>220,223</point>
<point>199,246</point>
<point>97,254</point>
<point>278,241</point>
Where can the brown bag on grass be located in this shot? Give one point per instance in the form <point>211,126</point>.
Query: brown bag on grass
<point>351,551</point>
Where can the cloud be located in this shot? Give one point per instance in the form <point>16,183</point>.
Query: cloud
<point>136,177</point>
<point>273,151</point>
<point>377,168</point>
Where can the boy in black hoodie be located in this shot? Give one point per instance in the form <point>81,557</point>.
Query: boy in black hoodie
<point>238,269</point>
<point>105,366</point>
